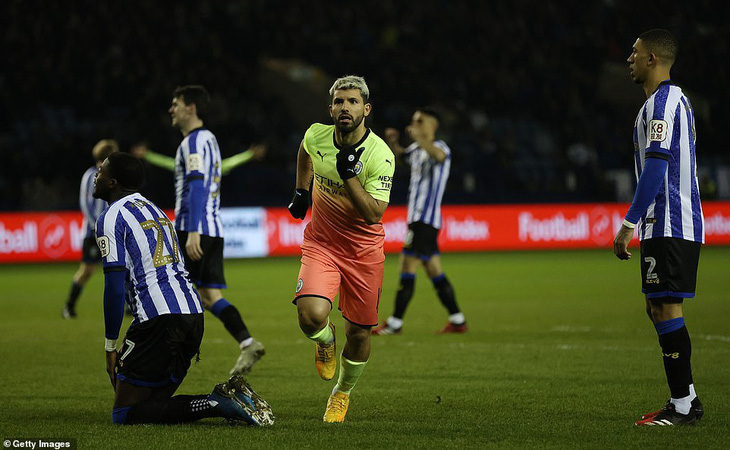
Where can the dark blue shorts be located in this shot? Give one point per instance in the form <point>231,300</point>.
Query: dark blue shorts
<point>90,253</point>
<point>669,267</point>
<point>158,352</point>
<point>421,241</point>
<point>207,272</point>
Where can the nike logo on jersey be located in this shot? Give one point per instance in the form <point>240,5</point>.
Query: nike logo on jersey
<point>321,155</point>
<point>389,162</point>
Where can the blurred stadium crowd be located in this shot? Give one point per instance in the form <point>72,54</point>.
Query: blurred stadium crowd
<point>535,95</point>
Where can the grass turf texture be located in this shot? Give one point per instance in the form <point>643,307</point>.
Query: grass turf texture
<point>559,354</point>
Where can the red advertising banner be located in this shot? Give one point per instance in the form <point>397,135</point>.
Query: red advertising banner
<point>505,227</point>
<point>43,236</point>
<point>57,236</point>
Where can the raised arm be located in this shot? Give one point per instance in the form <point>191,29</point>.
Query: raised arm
<point>157,159</point>
<point>392,137</point>
<point>255,152</point>
<point>427,143</point>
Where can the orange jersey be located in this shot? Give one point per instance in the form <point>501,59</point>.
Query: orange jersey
<point>336,225</point>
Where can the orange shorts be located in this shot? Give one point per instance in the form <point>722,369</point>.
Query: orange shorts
<point>359,282</point>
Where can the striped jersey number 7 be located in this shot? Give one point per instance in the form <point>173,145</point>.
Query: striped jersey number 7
<point>158,259</point>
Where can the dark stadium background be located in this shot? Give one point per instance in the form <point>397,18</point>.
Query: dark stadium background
<point>536,99</point>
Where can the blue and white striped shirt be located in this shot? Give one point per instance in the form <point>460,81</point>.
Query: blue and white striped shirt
<point>90,207</point>
<point>428,183</point>
<point>665,128</point>
<point>135,235</point>
<point>198,157</point>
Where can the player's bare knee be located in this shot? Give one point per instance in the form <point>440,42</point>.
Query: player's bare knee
<point>207,303</point>
<point>312,319</point>
<point>209,297</point>
<point>664,308</point>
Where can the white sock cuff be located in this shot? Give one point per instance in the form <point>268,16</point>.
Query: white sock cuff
<point>457,319</point>
<point>394,322</point>
<point>245,343</point>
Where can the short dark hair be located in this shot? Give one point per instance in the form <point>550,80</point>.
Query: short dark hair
<point>662,43</point>
<point>429,111</point>
<point>127,170</point>
<point>194,94</point>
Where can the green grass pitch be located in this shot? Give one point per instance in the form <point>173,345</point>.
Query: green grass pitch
<point>560,354</point>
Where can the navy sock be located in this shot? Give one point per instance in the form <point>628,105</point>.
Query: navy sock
<point>676,352</point>
<point>446,293</point>
<point>73,295</point>
<point>231,318</point>
<point>404,294</point>
<point>178,409</point>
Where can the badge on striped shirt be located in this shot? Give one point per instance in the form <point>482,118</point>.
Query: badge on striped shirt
<point>103,243</point>
<point>657,130</point>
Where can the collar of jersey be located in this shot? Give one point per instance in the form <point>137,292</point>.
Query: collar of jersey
<point>196,129</point>
<point>339,147</point>
<point>663,83</point>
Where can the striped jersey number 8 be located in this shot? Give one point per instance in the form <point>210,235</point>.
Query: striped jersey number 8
<point>158,259</point>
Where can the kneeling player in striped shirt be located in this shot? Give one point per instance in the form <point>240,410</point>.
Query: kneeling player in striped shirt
<point>142,262</point>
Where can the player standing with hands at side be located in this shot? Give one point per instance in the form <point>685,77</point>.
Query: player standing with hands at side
<point>197,220</point>
<point>350,171</point>
<point>667,214</point>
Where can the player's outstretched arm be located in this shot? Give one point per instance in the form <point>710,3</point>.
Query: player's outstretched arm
<point>255,152</point>
<point>156,159</point>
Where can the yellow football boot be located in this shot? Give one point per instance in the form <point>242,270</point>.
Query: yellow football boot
<point>324,357</point>
<point>336,407</point>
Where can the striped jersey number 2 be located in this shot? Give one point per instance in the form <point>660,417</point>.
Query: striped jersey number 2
<point>158,259</point>
<point>650,275</point>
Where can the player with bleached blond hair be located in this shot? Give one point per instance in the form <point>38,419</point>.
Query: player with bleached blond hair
<point>350,172</point>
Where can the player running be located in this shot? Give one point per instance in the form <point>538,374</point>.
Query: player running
<point>143,263</point>
<point>350,171</point>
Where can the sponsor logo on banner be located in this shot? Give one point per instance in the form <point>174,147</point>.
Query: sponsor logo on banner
<point>717,224</point>
<point>76,230</point>
<point>289,233</point>
<point>603,225</point>
<point>23,240</point>
<point>244,232</point>
<point>467,229</point>
<point>53,236</point>
<point>555,228</point>
<point>395,230</point>
<point>257,232</point>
